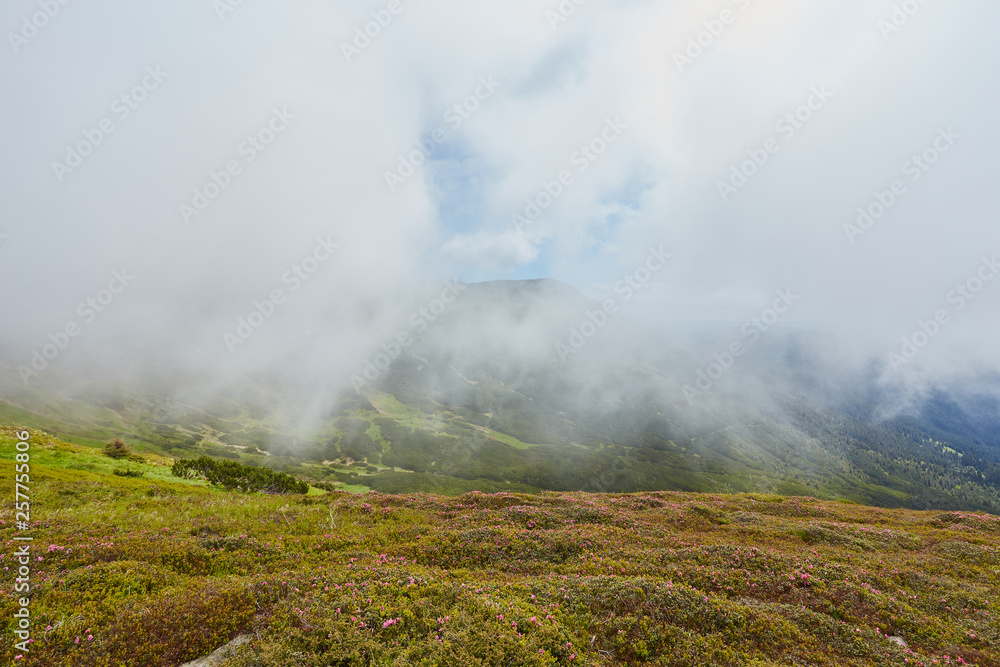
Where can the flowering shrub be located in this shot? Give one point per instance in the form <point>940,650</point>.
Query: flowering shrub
<point>130,577</point>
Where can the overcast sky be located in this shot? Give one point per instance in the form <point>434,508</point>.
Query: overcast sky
<point>207,149</point>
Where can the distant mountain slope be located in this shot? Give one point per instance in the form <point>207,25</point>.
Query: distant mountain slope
<point>484,396</point>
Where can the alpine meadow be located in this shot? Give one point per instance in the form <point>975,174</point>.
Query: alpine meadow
<point>525,334</point>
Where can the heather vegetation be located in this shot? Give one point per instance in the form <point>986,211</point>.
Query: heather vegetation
<point>159,570</point>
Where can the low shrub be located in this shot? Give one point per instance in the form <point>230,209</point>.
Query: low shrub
<point>238,476</point>
<point>117,449</point>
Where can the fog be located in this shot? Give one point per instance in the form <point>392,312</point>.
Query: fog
<point>200,193</point>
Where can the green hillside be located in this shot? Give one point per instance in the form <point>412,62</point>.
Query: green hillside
<point>405,442</point>
<point>471,406</point>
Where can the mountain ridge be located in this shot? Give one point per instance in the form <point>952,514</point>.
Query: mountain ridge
<point>480,399</point>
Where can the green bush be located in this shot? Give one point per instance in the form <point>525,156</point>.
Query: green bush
<point>117,449</point>
<point>238,476</point>
<point>326,486</point>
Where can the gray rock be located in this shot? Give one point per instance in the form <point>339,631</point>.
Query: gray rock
<point>219,655</point>
<point>897,639</point>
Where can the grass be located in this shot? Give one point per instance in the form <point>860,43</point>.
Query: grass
<point>355,488</point>
<point>72,419</point>
<point>755,456</point>
<point>389,406</point>
<point>154,572</point>
<point>54,453</point>
<point>504,438</point>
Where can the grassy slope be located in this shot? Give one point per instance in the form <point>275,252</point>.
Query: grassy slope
<point>155,572</point>
<point>389,406</point>
<point>757,456</point>
<point>65,419</point>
